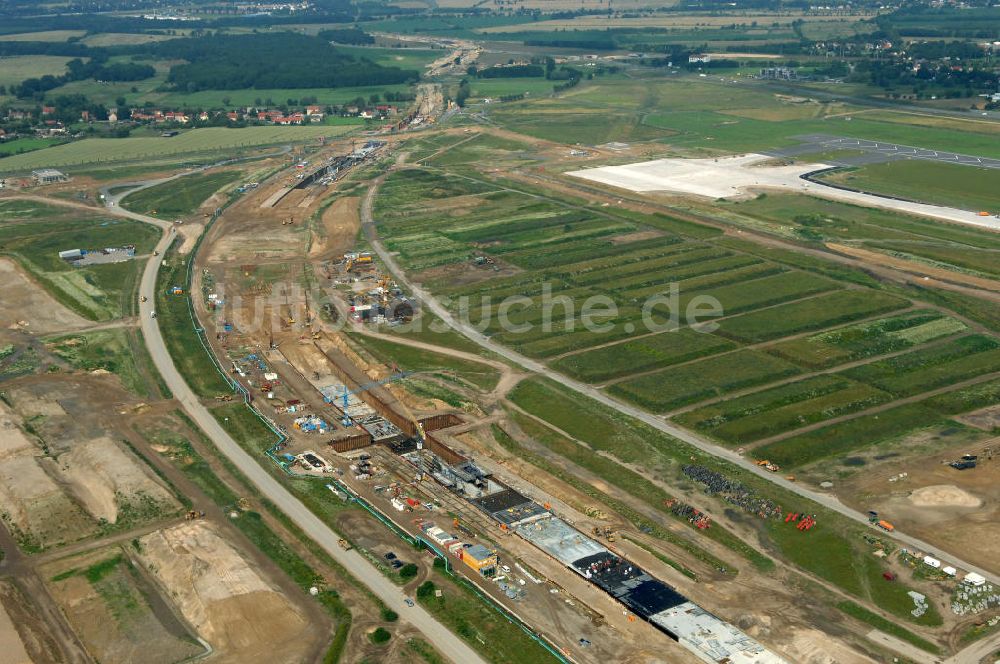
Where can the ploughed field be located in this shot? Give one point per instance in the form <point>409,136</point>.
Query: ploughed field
<point>799,363</point>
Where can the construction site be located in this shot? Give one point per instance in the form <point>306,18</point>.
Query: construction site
<point>347,420</point>
<point>290,295</point>
<point>416,450</point>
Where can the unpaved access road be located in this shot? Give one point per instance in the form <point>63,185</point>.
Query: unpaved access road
<point>445,641</point>
<point>428,300</point>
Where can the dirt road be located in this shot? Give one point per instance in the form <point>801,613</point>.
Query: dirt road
<point>428,300</point>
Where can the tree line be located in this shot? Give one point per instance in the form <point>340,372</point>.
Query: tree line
<point>273,60</point>
<point>78,70</point>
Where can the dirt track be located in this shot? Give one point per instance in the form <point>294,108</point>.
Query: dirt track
<point>919,269</point>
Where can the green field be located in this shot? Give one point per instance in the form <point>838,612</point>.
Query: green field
<point>20,145</point>
<point>705,116</point>
<point>179,334</point>
<point>777,410</point>
<point>102,151</point>
<point>43,35</point>
<point>34,234</point>
<point>500,87</point>
<point>404,58</point>
<point>845,437</point>
<point>643,354</point>
<point>118,351</point>
<point>180,197</point>
<point>814,313</point>
<point>938,366</point>
<point>963,187</point>
<point>816,220</point>
<point>704,379</point>
<point>886,626</point>
<point>968,398</point>
<point>870,339</point>
<point>216,98</point>
<point>463,612</point>
<point>14,69</point>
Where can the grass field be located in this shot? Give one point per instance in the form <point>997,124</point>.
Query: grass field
<point>684,112</point>
<point>849,436</point>
<point>180,197</point>
<point>704,379</point>
<point>499,87</point>
<point>404,58</point>
<point>469,617</point>
<point>43,36</point>
<point>16,68</point>
<point>886,626</point>
<point>643,354</point>
<point>773,411</point>
<point>964,187</point>
<point>811,314</point>
<point>34,234</point>
<point>422,361</point>
<point>102,39</point>
<point>94,151</point>
<point>21,145</point>
<point>816,220</point>
<point>937,366</point>
<point>967,399</point>
<point>178,332</point>
<point>211,98</point>
<point>869,339</point>
<point>113,350</point>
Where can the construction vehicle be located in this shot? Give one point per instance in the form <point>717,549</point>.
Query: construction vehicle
<point>767,465</point>
<point>357,260</point>
<point>344,544</point>
<point>886,526</point>
<point>143,298</point>
<point>223,397</point>
<point>194,514</point>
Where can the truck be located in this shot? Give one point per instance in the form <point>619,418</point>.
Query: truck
<point>886,526</point>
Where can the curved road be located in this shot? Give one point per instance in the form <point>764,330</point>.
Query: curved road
<point>445,641</point>
<point>828,501</point>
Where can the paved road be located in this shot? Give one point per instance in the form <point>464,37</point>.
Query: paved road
<point>445,641</point>
<point>812,143</point>
<point>971,655</point>
<point>826,500</point>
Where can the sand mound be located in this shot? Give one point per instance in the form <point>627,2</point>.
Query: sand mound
<point>22,299</point>
<point>105,478</point>
<point>225,599</point>
<point>943,495</point>
<point>811,646</point>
